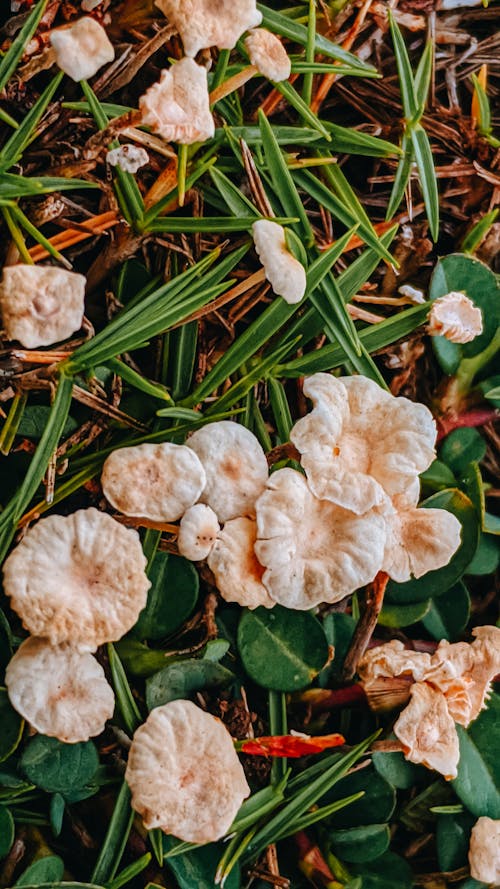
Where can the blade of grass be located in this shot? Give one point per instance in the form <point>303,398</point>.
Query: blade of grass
<point>209,224</point>
<point>423,76</point>
<point>124,697</point>
<point>278,725</point>
<point>402,176</point>
<point>310,47</point>
<point>427,174</point>
<point>142,384</point>
<point>116,838</point>
<point>13,149</point>
<point>16,234</point>
<point>282,417</point>
<point>9,61</point>
<point>409,95</point>
<point>294,99</point>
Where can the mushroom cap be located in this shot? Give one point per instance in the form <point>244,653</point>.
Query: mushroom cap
<point>484,851</point>
<point>184,773</point>
<point>198,532</point>
<point>360,443</point>
<point>157,481</point>
<point>61,692</point>
<point>393,659</point>
<point>82,48</point>
<point>455,317</point>
<point>268,54</point>
<point>177,106</point>
<point>128,157</point>
<point>427,731</point>
<point>418,541</point>
<point>203,23</point>
<point>79,579</point>
<point>464,673</point>
<point>286,275</point>
<point>313,550</point>
<point>238,573</point>
<point>235,466</point>
<point>41,305</point>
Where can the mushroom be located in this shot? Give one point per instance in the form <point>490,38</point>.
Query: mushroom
<point>313,551</point>
<point>268,54</point>
<point>82,48</point>
<point>286,274</point>
<point>184,773</point>
<point>464,673</point>
<point>198,532</point>
<point>360,443</point>
<point>427,731</point>
<point>79,579</point>
<point>177,107</point>
<point>128,157</point>
<point>61,692</point>
<point>41,305</point>
<point>235,466</point>
<point>238,573</point>
<point>455,317</point>
<point>393,659</point>
<point>203,23</point>
<point>157,481</point>
<point>484,851</point>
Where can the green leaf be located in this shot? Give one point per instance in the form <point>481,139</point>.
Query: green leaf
<point>12,726</point>
<point>404,615</point>
<point>360,844</point>
<point>10,59</point>
<point>339,629</point>
<point>116,838</point>
<point>437,477</point>
<point>34,421</point>
<point>409,94</point>
<point>13,149</point>
<point>376,806</point>
<point>59,768</point>
<point>171,599</point>
<point>452,840</point>
<point>390,871</point>
<point>401,177</point>
<point>487,556</point>
<point>281,649</point>
<point>478,231</point>
<point>46,870</point>
<point>16,186</point>
<point>427,175</point>
<point>7,831</point>
<point>434,583</point>
<point>182,678</point>
<point>448,615</point>
<point>478,781</point>
<point>124,697</point>
<point>398,771</point>
<point>196,869</point>
<point>57,809</point>
<point>423,75</point>
<point>138,659</point>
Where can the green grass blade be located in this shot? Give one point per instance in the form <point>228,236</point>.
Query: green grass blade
<point>294,99</point>
<point>409,95</point>
<point>282,418</point>
<point>14,186</point>
<point>172,196</point>
<point>237,202</point>
<point>423,76</point>
<point>310,47</point>
<point>319,814</point>
<point>9,61</point>
<point>402,176</point>
<point>427,174</point>
<point>124,698</point>
<point>213,224</point>
<point>246,383</point>
<point>32,230</point>
<point>116,838</point>
<point>484,106</point>
<point>137,381</point>
<point>350,141</point>
<point>13,149</point>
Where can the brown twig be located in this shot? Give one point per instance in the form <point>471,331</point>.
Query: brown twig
<point>374,599</point>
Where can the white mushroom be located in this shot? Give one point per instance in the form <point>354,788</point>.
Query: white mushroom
<point>235,466</point>
<point>198,532</point>
<point>157,481</point>
<point>184,773</point>
<point>61,692</point>
<point>177,106</point>
<point>205,23</point>
<point>41,305</point>
<point>313,551</point>
<point>268,54</point>
<point>82,48</point>
<point>238,573</point>
<point>427,731</point>
<point>79,579</point>
<point>464,673</point>
<point>393,659</point>
<point>455,317</point>
<point>286,274</point>
<point>414,294</point>
<point>360,443</point>
<point>484,851</point>
<point>128,157</point>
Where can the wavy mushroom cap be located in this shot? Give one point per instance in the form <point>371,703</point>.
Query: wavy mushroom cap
<point>128,157</point>
<point>393,659</point>
<point>455,317</point>
<point>82,48</point>
<point>238,573</point>
<point>177,107</point>
<point>184,773</point>
<point>235,466</point>
<point>268,54</point>
<point>286,275</point>
<point>484,851</point>
<point>464,673</point>
<point>79,579</point>
<point>59,691</point>
<point>427,731</point>
<point>198,532</point>
<point>157,481</point>
<point>418,540</point>
<point>205,23</point>
<point>360,443</point>
<point>41,305</point>
<point>313,551</point>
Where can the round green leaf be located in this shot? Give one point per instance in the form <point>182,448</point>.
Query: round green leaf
<point>196,869</point>
<point>171,599</point>
<point>397,770</point>
<point>7,831</point>
<point>375,807</point>
<point>57,767</point>
<point>339,629</point>
<point>435,583</point>
<point>180,679</point>
<point>12,726</point>
<point>487,556</point>
<point>46,870</point>
<point>281,649</point>
<point>478,781</point>
<point>387,872</point>
<point>448,614</point>
<point>452,840</point>
<point>360,844</point>
<point>461,447</point>
<point>437,477</point>
<point>403,615</point>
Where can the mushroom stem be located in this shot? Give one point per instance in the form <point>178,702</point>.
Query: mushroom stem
<point>373,604</point>
<point>233,83</point>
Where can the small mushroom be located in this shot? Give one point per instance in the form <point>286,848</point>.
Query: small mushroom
<point>268,54</point>
<point>238,573</point>
<point>313,551</point>
<point>60,692</point>
<point>79,579</point>
<point>286,275</point>
<point>360,443</point>
<point>235,466</point>
<point>392,659</point>
<point>82,48</point>
<point>184,773</point>
<point>157,481</point>
<point>198,532</point>
<point>464,673</point>
<point>427,731</point>
<point>177,107</point>
<point>484,851</point>
<point>455,317</point>
<point>41,305</point>
<point>203,23</point>
<point>128,157</point>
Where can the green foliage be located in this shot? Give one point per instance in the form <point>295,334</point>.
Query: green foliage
<point>360,844</point>
<point>182,678</point>
<point>55,767</point>
<point>171,598</point>
<point>12,726</point>
<point>448,614</point>
<point>49,869</point>
<point>7,831</point>
<point>478,781</point>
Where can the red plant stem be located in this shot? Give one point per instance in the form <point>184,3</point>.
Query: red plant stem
<point>322,699</point>
<point>312,863</point>
<point>475,417</point>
